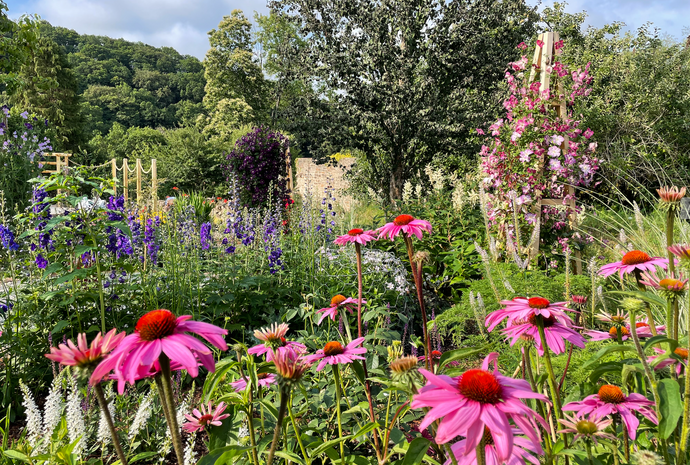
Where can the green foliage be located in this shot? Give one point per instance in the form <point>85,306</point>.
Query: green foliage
<point>18,42</point>
<point>639,106</point>
<point>397,80</point>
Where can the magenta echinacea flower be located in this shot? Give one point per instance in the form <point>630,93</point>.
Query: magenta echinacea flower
<point>556,334</point>
<point>274,341</point>
<point>356,236</point>
<point>669,287</point>
<point>523,450</point>
<point>675,364</point>
<point>290,366</point>
<point>590,427</point>
<point>406,224</point>
<point>338,302</point>
<point>642,327</point>
<point>632,261</point>
<point>522,309</point>
<point>264,380</point>
<point>609,400</point>
<point>476,400</point>
<point>201,420</point>
<point>84,355</point>
<point>681,251</point>
<point>157,332</point>
<point>335,353</point>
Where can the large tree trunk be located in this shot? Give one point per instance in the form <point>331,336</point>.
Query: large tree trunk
<point>396,183</point>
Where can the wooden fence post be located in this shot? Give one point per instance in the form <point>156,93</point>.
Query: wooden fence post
<point>154,184</point>
<point>113,165</point>
<point>138,173</point>
<point>125,179</point>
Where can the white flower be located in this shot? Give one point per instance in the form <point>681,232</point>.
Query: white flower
<point>75,419</point>
<point>141,416</point>
<point>189,454</point>
<point>407,191</point>
<point>524,155</point>
<point>557,140</point>
<point>52,412</point>
<point>554,151</point>
<point>515,136</point>
<point>103,430</point>
<point>33,416</point>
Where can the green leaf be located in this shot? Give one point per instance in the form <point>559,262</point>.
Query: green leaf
<point>597,373</point>
<point>628,370</point>
<point>212,381</point>
<point>60,326</point>
<point>218,435</point>
<point>72,275</point>
<point>13,454</point>
<point>369,427</point>
<point>646,296</point>
<point>671,407</point>
<point>359,370</point>
<point>416,452</point>
<point>661,339</point>
<point>606,350</point>
<point>143,455</point>
<point>215,456</point>
<point>459,354</point>
<point>289,456</point>
<point>322,448</point>
<point>52,268</point>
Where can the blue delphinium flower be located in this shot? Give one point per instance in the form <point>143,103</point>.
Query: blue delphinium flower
<point>41,262</point>
<point>7,239</point>
<point>205,236</point>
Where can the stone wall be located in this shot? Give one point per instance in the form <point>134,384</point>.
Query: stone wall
<point>312,179</point>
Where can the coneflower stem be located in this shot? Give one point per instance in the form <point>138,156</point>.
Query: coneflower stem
<point>103,403</point>
<point>589,452</point>
<point>336,375</point>
<point>540,405</point>
<point>297,433</point>
<point>284,397</point>
<point>164,402</point>
<point>481,452</point>
<point>172,415</point>
<point>686,404</point>
<point>367,386</point>
<point>648,308</point>
<point>556,397</point>
<point>417,276</point>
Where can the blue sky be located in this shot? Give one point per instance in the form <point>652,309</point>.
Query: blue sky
<point>183,24</point>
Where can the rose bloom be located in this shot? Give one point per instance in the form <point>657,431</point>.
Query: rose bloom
<point>633,261</point>
<point>406,224</point>
<point>356,236</point>
<point>609,400</point>
<point>476,400</point>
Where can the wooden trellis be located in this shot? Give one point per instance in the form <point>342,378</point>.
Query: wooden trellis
<point>543,59</point>
<point>61,162</point>
<point>138,170</point>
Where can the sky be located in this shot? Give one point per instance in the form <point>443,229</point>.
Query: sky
<point>184,24</point>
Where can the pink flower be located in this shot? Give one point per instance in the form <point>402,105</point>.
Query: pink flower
<point>264,379</point>
<point>335,353</point>
<point>642,327</point>
<point>631,262</point>
<point>274,341</point>
<point>680,251</point>
<point>523,450</point>
<point>540,44</point>
<point>522,309</point>
<point>609,400</point>
<point>680,359</point>
<point>290,366</point>
<point>158,332</point>
<point>556,334</point>
<point>82,355</point>
<point>590,427</point>
<point>558,45</point>
<point>476,400</point>
<point>358,236</point>
<point>200,421</point>
<point>522,46</point>
<point>338,302</point>
<point>405,223</point>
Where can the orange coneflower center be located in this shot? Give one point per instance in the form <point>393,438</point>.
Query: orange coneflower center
<point>586,427</point>
<point>481,386</point>
<point>618,319</point>
<point>403,220</point>
<point>436,354</point>
<point>205,419</point>
<point>611,394</point>
<point>337,300</point>
<point>333,348</point>
<point>641,325</point>
<point>156,324</point>
<point>538,302</point>
<point>488,438</point>
<point>670,283</point>
<point>262,375</point>
<point>682,353</point>
<point>548,322</point>
<point>614,333</point>
<point>635,257</point>
<point>355,232</point>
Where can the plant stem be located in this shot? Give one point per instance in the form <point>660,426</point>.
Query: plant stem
<point>367,386</point>
<point>417,276</point>
<point>589,453</point>
<point>686,404</point>
<point>556,397</point>
<point>172,420</point>
<point>648,308</point>
<point>336,375</point>
<point>297,433</point>
<point>284,397</point>
<point>540,405</point>
<point>109,420</point>
<point>481,452</point>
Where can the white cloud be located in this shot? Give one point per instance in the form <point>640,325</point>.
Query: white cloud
<point>182,24</point>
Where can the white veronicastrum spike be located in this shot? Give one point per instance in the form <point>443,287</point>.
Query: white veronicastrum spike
<point>482,252</point>
<point>189,454</point>
<point>33,416</point>
<point>103,430</point>
<point>142,416</point>
<point>52,412</point>
<point>75,419</point>
<point>407,191</point>
<point>639,219</point>
<point>507,285</point>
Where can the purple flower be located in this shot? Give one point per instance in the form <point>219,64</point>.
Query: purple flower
<point>7,239</point>
<point>205,236</point>
<point>41,262</point>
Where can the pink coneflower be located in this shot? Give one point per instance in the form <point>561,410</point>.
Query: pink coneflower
<point>556,334</point>
<point>201,420</point>
<point>82,355</point>
<point>338,302</point>
<point>579,300</point>
<point>405,223</point>
<point>158,332</point>
<point>681,251</point>
<point>264,379</point>
<point>477,399</point>
<point>335,353</point>
<point>523,450</point>
<point>668,287</point>
<point>635,260</point>
<point>274,341</point>
<point>435,356</point>
<point>521,309</point>
<point>356,235</point>
<point>290,366</point>
<point>643,330</point>
<point>675,363</point>
<point>671,195</point>
<point>618,319</point>
<point>609,400</point>
<point>591,427</point>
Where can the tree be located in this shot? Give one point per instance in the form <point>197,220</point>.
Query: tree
<point>50,90</point>
<point>17,43</point>
<point>406,81</point>
<point>231,73</point>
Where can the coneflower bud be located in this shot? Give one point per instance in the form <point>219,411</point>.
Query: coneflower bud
<point>420,257</point>
<point>631,304</point>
